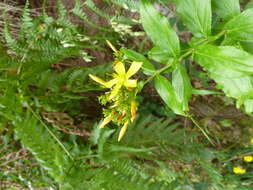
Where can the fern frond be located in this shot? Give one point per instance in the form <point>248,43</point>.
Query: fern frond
<point>77,10</point>
<point>26,23</point>
<point>37,140</point>
<point>62,12</point>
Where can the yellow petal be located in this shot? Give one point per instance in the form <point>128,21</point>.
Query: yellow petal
<point>111,83</point>
<point>239,170</point>
<point>105,122</point>
<point>134,68</point>
<point>133,110</point>
<point>119,68</point>
<point>123,131</point>
<point>97,79</point>
<point>111,46</point>
<point>130,83</point>
<point>115,90</point>
<point>248,158</point>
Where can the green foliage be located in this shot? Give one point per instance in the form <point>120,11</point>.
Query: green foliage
<point>240,27</point>
<point>197,16</point>
<point>158,27</point>
<point>193,50</point>
<point>231,69</point>
<point>226,9</point>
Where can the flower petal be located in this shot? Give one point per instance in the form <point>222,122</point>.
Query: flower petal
<point>98,80</point>
<point>130,83</point>
<point>119,68</point>
<point>111,83</point>
<point>111,46</point>
<point>134,68</point>
<point>123,130</point>
<point>105,122</point>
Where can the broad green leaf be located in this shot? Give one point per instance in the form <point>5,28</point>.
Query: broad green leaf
<point>241,26</point>
<point>167,93</point>
<point>226,8</point>
<point>158,29</point>
<point>135,56</point>
<point>182,85</point>
<point>159,55</point>
<point>197,15</point>
<point>231,69</point>
<point>175,95</point>
<point>226,61</point>
<point>248,46</point>
<point>249,5</point>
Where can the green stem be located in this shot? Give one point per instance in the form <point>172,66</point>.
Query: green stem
<point>51,133</point>
<point>157,73</point>
<point>201,129</point>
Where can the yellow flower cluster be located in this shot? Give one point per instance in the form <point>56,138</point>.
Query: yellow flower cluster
<point>121,96</point>
<point>120,78</point>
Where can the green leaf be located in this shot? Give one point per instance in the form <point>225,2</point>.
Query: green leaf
<point>182,85</point>
<point>249,5</point>
<point>158,29</point>
<point>159,55</point>
<point>132,55</point>
<point>167,93</point>
<point>241,26</point>
<point>197,15</point>
<point>226,60</point>
<point>226,8</point>
<point>177,94</point>
<point>231,68</point>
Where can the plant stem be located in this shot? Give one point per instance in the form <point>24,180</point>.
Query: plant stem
<point>201,129</point>
<point>51,133</point>
<point>157,73</point>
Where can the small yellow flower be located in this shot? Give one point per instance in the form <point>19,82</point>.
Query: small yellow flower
<point>105,122</point>
<point>248,158</point>
<point>120,78</point>
<point>251,141</point>
<point>239,170</point>
<point>123,130</point>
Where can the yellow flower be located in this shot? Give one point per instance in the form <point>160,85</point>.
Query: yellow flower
<point>105,121</point>
<point>120,78</point>
<point>123,130</point>
<point>239,170</point>
<point>251,141</point>
<point>248,158</point>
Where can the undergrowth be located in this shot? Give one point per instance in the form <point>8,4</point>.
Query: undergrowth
<point>50,110</point>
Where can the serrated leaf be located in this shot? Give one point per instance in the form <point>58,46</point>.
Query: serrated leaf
<point>226,8</point>
<point>241,26</point>
<point>228,67</point>
<point>158,29</point>
<point>226,61</point>
<point>197,16</point>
